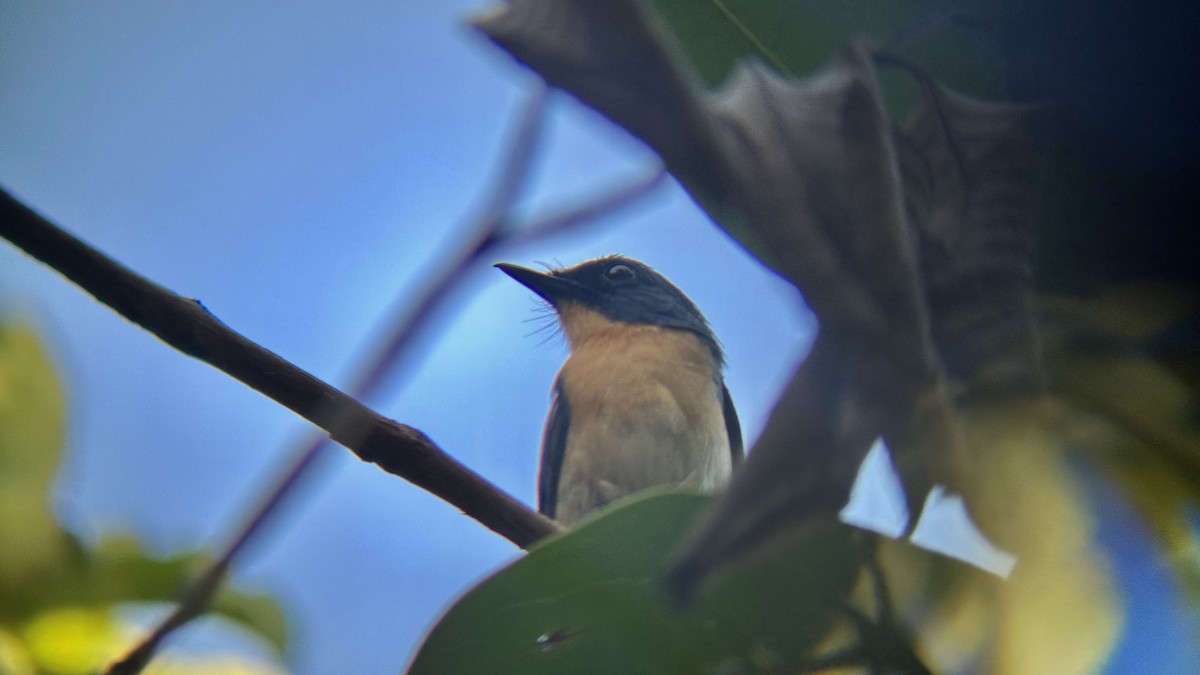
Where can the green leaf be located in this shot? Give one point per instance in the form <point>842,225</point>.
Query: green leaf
<point>72,640</point>
<point>50,569</point>
<point>77,640</point>
<point>118,571</point>
<point>797,36</point>
<point>1061,609</point>
<point>591,601</point>
<point>32,436</point>
<point>257,612</point>
<point>1136,416</point>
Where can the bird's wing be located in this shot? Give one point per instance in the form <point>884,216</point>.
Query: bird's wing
<point>732,426</point>
<point>554,446</point>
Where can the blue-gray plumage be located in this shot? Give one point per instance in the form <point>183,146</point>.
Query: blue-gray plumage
<point>641,401</point>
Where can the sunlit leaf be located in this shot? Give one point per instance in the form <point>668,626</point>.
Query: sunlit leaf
<point>591,601</point>
<point>49,569</point>
<point>225,664</point>
<point>1059,611</point>
<point>117,570</point>
<point>15,658</point>
<point>73,640</point>
<point>1099,353</point>
<point>258,612</point>
<point>1137,416</point>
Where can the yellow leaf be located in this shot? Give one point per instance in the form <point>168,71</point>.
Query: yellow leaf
<point>14,657</point>
<point>1059,611</point>
<point>79,640</point>
<point>1137,417</point>
<point>73,639</point>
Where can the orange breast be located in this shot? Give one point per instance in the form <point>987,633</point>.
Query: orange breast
<point>645,411</point>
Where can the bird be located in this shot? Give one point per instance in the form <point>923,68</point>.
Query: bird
<point>641,400</point>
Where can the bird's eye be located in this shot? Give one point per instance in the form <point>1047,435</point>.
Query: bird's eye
<point>619,272</point>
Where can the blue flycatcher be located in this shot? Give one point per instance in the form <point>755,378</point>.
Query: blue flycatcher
<point>641,401</point>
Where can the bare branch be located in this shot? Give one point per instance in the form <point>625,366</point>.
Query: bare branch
<point>185,325</point>
<point>508,184</point>
<point>571,217</point>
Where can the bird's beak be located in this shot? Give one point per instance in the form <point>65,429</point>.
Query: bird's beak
<point>551,288</point>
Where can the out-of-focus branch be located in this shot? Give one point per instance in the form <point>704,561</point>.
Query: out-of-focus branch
<point>802,173</point>
<point>396,448</point>
<point>187,326</point>
<point>199,596</point>
<point>807,175</point>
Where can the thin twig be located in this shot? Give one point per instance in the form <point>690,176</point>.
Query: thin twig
<point>572,217</point>
<point>514,171</point>
<point>484,233</point>
<point>185,325</point>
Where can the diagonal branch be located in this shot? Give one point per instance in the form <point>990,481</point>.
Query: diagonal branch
<point>187,326</point>
<point>398,449</point>
<point>199,595</point>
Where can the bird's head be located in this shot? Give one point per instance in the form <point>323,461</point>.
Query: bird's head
<point>614,289</point>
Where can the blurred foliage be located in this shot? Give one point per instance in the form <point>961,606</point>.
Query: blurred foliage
<point>1060,609</point>
<point>72,640</point>
<point>797,37</point>
<point>592,601</point>
<point>1123,361</point>
<point>32,435</point>
<point>1122,356</point>
<point>57,596</point>
<point>1122,200</point>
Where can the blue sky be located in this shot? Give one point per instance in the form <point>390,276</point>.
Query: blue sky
<point>300,169</point>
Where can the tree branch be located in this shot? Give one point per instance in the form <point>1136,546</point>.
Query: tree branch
<point>398,449</point>
<point>187,326</point>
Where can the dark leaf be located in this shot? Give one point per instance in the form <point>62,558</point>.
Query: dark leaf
<point>592,601</point>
